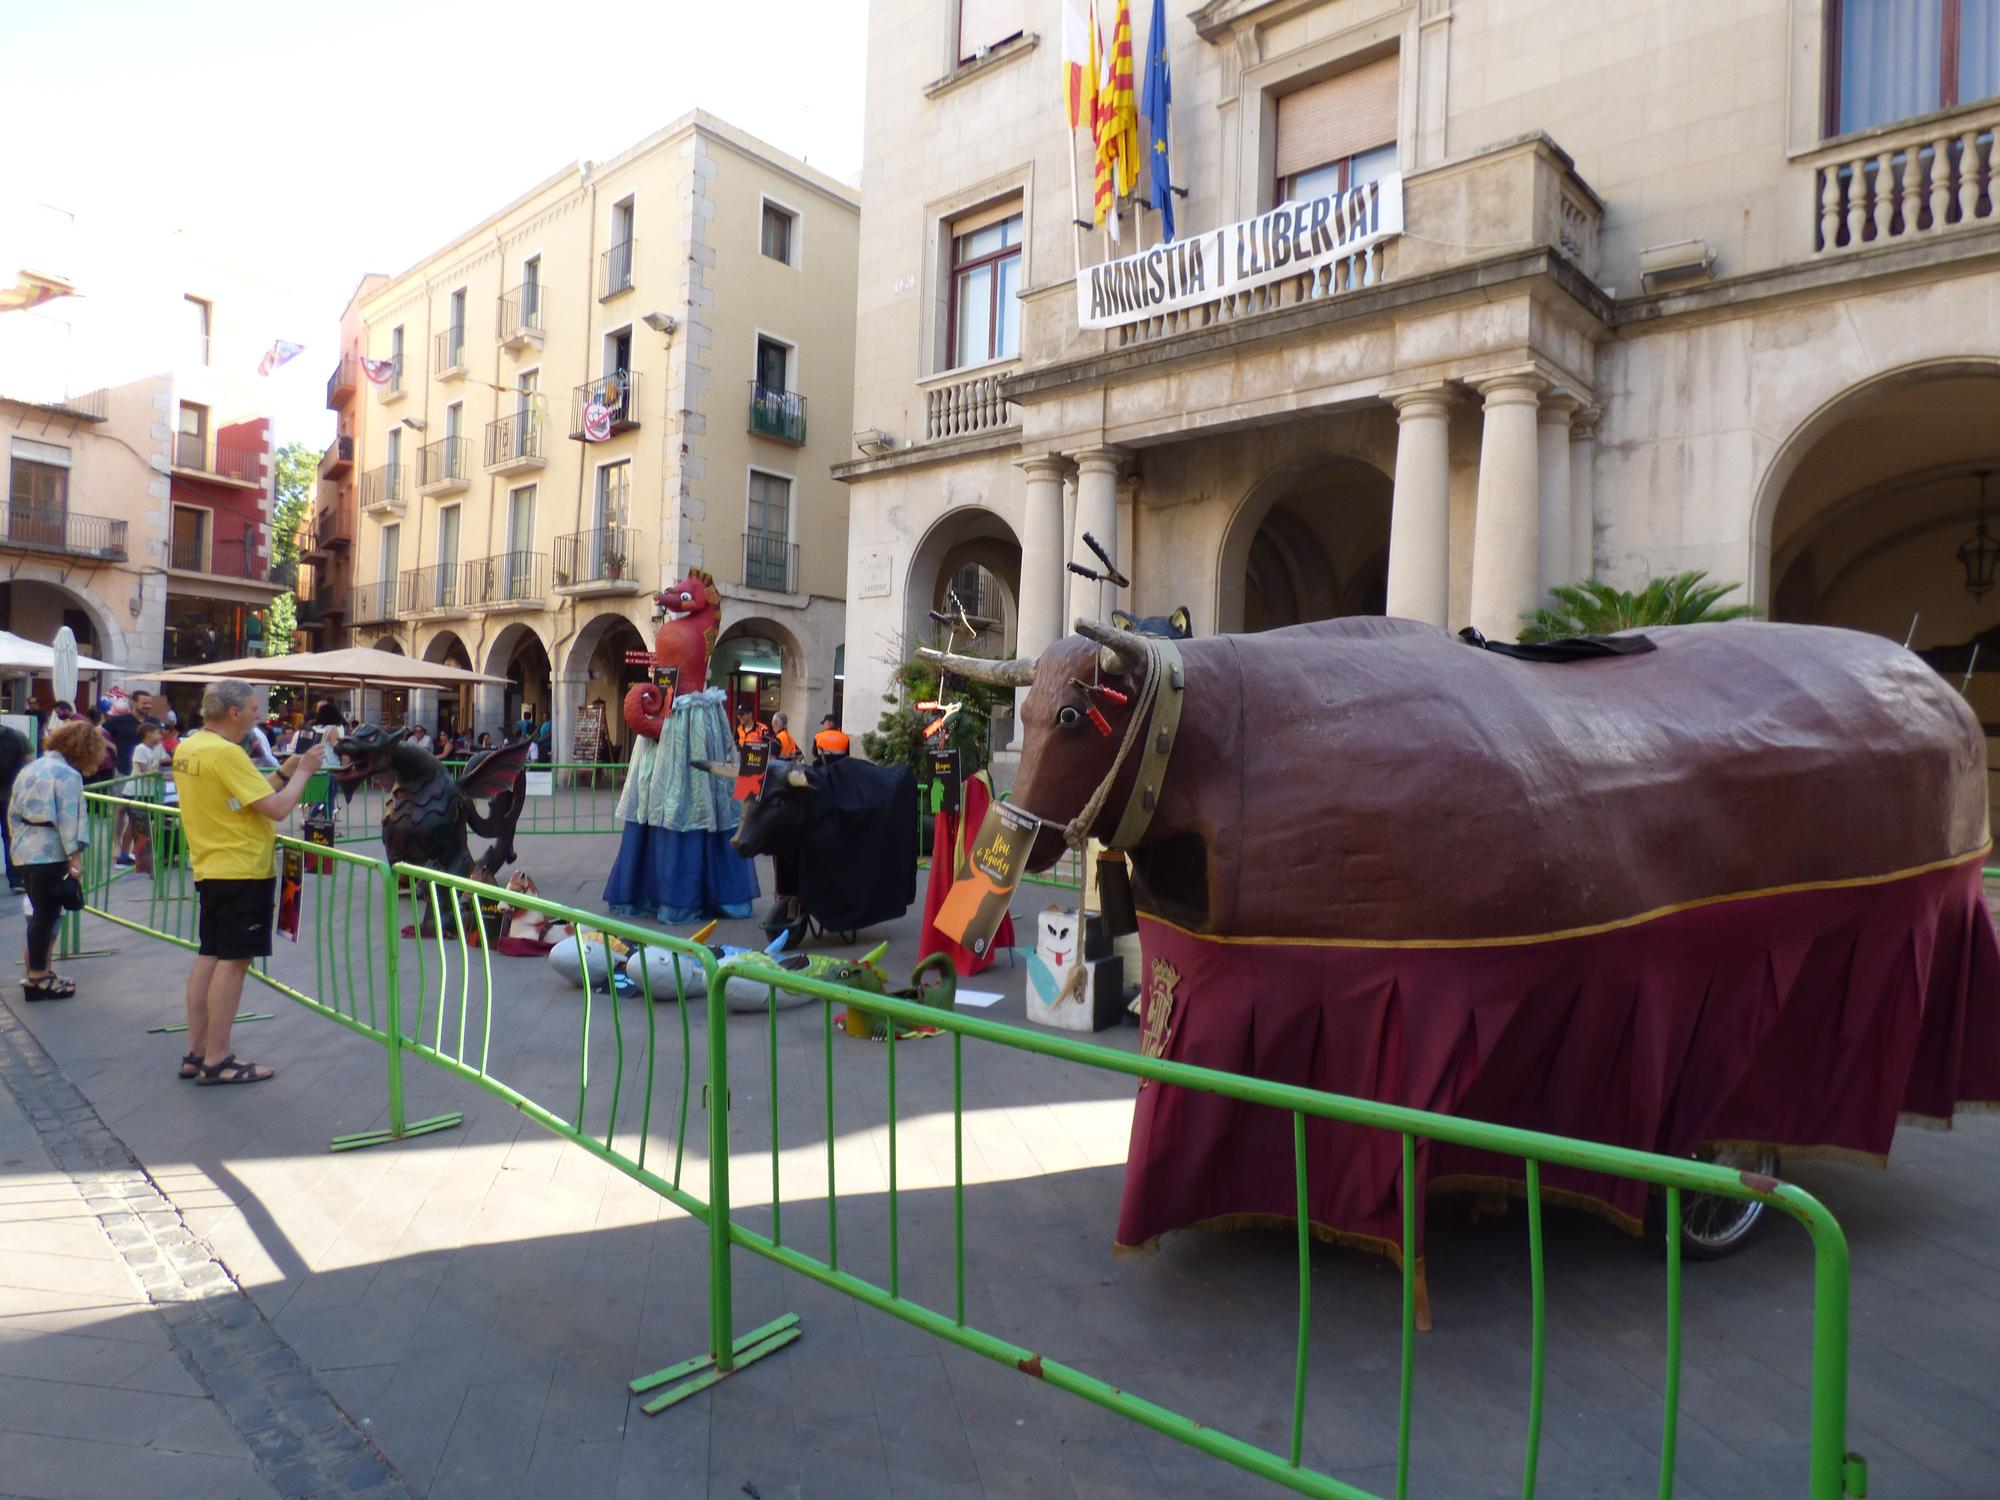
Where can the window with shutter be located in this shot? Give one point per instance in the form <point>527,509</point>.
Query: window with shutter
<point>1337,133</point>
<point>985,24</point>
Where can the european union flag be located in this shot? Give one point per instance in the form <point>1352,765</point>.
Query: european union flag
<point>1155,103</point>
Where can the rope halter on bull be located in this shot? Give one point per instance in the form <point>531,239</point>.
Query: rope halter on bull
<point>1120,653</point>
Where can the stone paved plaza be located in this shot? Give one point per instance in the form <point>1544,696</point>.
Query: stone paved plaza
<point>459,1314</point>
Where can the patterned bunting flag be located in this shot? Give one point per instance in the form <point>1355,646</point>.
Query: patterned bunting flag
<point>277,355</point>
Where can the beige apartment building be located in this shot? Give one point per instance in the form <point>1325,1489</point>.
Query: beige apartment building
<point>638,368</point>
<point>1469,298</point>
<point>138,456</point>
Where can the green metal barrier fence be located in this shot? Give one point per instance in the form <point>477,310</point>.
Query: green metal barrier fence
<point>580,797</point>
<point>1833,1471</point>
<point>434,998</point>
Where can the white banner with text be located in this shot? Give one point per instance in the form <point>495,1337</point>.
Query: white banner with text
<point>1290,240</point>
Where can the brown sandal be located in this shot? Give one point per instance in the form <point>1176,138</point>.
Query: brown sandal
<point>229,1070</point>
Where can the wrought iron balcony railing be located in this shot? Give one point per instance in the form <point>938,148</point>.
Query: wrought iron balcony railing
<point>514,442</point>
<point>776,413</point>
<point>451,349</point>
<point>192,450</point>
<point>606,554</point>
<point>506,578</point>
<point>338,458</point>
<point>33,528</point>
<point>616,274</point>
<point>432,588</point>
<point>388,485</point>
<point>376,602</point>
<point>617,393</point>
<point>521,314</point>
<point>340,384</point>
<point>442,465</point>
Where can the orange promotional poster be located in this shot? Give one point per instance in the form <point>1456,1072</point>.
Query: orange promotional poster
<point>979,897</point>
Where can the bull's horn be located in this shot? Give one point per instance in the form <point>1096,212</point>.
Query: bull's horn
<point>720,768</point>
<point>797,777</point>
<point>1020,672</point>
<point>1123,653</point>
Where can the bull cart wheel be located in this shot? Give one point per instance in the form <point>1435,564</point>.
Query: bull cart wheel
<point>1712,1226</point>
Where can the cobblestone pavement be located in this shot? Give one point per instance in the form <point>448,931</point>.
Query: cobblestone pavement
<point>458,1314</point>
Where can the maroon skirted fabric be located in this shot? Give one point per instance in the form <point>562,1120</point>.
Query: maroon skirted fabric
<point>1800,1018</point>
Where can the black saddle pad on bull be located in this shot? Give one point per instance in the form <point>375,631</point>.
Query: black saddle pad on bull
<point>858,860</point>
<point>1575,648</point>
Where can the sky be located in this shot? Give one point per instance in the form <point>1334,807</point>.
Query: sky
<point>312,144</point>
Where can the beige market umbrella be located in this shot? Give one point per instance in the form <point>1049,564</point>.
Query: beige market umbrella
<point>356,666</point>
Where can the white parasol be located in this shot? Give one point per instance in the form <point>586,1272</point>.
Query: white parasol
<point>63,665</point>
<point>19,658</point>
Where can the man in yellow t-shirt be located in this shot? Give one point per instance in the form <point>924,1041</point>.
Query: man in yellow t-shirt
<point>228,816</point>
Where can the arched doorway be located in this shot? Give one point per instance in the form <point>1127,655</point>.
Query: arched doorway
<point>1864,529</point>
<point>519,655</point>
<point>36,609</point>
<point>454,708</point>
<point>611,655</point>
<point>967,569</point>
<point>1309,542</point>
<point>759,661</point>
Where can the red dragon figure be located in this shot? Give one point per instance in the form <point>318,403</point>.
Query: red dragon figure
<point>682,644</point>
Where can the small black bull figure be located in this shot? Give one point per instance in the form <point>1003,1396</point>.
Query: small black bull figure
<point>841,835</point>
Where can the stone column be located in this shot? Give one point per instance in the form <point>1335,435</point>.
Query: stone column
<point>1552,441</point>
<point>1096,513</point>
<point>488,705</point>
<point>1040,622</point>
<point>567,696</point>
<point>1420,513</point>
<point>1506,539</point>
<point>1583,492</point>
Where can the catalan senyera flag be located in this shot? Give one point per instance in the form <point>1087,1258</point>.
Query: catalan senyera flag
<point>1117,123</point>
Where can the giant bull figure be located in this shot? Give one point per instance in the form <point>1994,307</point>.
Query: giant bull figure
<point>1724,891</point>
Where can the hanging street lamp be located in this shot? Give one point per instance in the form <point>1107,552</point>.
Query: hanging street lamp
<point>1980,553</point>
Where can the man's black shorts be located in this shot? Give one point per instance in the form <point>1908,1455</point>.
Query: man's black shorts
<point>236,917</point>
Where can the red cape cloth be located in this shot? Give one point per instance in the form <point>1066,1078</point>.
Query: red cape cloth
<point>951,831</point>
<point>1800,1019</point>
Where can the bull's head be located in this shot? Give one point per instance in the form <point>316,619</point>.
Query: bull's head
<point>773,818</point>
<point>1064,755</point>
<point>696,591</point>
<point>364,755</point>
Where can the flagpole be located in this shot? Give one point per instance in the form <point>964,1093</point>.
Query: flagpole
<point>1075,212</point>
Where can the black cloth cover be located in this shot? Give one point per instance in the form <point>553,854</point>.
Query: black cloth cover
<point>858,861</point>
<point>1572,648</point>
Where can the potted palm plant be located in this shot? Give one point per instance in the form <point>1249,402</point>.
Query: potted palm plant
<point>614,565</point>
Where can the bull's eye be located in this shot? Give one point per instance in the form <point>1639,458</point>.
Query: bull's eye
<point>1069,716</point>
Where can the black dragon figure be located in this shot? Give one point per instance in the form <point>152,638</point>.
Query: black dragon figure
<point>429,811</point>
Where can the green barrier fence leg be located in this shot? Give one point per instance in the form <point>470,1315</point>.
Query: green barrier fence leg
<point>180,1026</point>
<point>398,1130</point>
<point>726,1355</point>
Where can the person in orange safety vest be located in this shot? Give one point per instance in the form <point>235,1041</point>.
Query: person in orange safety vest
<point>788,748</point>
<point>829,741</point>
